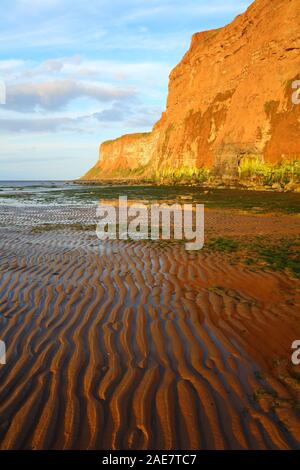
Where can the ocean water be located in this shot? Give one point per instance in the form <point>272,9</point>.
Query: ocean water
<point>45,193</point>
<point>67,193</point>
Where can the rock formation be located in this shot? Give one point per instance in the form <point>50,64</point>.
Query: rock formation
<point>229,98</point>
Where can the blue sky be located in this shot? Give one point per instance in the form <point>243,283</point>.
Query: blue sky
<point>79,72</point>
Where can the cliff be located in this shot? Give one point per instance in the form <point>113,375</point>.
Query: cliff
<point>230,98</point>
<point>130,153</point>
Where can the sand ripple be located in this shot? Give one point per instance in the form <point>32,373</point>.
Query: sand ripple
<point>137,345</point>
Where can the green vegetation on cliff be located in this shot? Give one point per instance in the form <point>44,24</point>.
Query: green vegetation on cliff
<point>254,169</point>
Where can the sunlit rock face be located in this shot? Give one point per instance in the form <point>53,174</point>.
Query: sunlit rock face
<point>230,97</point>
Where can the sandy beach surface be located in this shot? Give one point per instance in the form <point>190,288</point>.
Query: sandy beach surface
<point>142,345</point>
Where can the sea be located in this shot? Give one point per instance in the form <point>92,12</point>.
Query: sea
<point>68,193</point>
<point>72,194</point>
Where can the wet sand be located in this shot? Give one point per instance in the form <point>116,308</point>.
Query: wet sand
<point>139,345</point>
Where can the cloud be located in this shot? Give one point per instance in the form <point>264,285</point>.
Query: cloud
<point>81,69</point>
<point>33,125</point>
<point>50,66</point>
<point>132,115</point>
<point>114,114</point>
<point>100,25</point>
<point>55,95</point>
<point>10,64</point>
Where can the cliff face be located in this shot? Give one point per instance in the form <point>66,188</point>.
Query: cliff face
<point>229,98</point>
<point>130,153</point>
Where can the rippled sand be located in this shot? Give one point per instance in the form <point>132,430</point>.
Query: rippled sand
<point>138,345</point>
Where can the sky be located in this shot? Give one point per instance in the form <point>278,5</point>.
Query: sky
<point>79,72</point>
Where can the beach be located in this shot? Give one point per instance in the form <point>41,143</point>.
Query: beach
<point>141,344</point>
<point>150,232</point>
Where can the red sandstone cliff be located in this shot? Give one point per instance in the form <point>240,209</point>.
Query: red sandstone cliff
<point>230,97</point>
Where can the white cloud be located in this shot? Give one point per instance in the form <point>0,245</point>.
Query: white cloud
<point>137,117</point>
<point>35,125</point>
<point>79,68</point>
<point>56,94</point>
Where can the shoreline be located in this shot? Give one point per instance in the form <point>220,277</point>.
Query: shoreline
<point>219,185</point>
